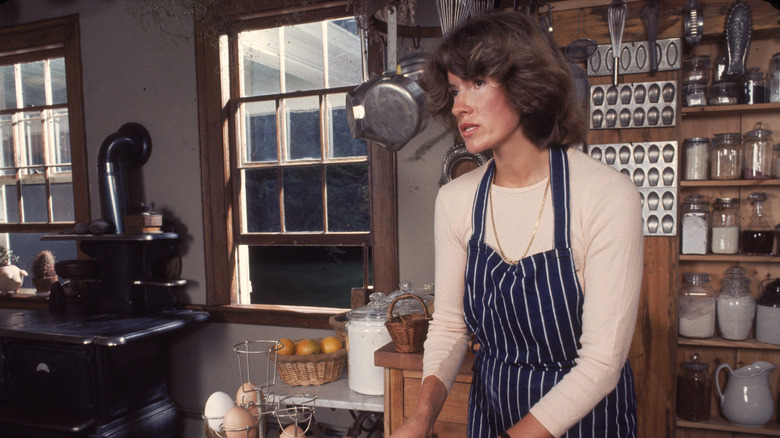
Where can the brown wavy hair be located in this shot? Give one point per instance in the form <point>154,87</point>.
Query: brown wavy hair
<point>511,49</point>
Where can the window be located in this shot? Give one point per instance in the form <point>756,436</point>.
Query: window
<point>43,185</point>
<point>295,195</point>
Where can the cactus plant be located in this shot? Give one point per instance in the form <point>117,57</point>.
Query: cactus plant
<point>7,256</point>
<point>43,265</point>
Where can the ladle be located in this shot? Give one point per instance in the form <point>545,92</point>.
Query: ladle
<point>582,47</point>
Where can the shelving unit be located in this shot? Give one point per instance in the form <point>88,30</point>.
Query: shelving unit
<point>704,122</point>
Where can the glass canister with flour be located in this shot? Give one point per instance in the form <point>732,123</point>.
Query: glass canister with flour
<point>696,306</point>
<point>695,224</point>
<point>724,226</point>
<point>736,308</point>
<point>366,333</point>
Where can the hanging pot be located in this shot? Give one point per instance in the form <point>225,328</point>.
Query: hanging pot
<point>389,109</point>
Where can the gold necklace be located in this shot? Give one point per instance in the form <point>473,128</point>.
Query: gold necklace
<point>536,227</point>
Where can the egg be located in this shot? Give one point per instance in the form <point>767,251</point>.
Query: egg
<point>247,396</point>
<point>293,430</point>
<point>217,405</point>
<point>237,422</point>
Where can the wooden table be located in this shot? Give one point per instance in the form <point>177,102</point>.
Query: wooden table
<point>403,377</point>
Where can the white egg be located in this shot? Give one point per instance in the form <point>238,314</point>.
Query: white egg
<point>216,407</point>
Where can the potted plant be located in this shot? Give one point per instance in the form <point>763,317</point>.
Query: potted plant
<point>10,275</point>
<point>43,275</point>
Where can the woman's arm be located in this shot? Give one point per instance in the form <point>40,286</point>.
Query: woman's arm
<point>433,393</point>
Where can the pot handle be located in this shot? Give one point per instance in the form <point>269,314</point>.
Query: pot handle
<point>717,380</point>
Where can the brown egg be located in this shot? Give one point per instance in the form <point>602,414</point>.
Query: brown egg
<point>292,430</point>
<point>247,396</point>
<point>237,422</point>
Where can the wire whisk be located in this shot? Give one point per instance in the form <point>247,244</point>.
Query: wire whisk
<point>452,12</point>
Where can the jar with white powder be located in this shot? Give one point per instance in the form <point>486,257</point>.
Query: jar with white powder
<point>724,226</point>
<point>736,308</point>
<point>366,333</point>
<point>695,225</point>
<point>696,306</point>
<point>696,154</point>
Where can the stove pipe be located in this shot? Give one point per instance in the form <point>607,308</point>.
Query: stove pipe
<point>127,148</point>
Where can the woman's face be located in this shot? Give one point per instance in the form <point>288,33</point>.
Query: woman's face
<point>484,118</point>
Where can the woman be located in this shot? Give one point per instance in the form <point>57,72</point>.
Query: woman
<point>550,241</point>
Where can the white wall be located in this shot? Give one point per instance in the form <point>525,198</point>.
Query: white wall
<point>135,72</point>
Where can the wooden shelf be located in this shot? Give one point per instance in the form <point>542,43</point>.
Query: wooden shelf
<point>731,183</point>
<point>770,429</point>
<point>711,110</point>
<point>729,258</point>
<point>717,341</point>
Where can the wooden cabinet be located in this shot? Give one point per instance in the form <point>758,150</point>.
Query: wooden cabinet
<point>403,377</point>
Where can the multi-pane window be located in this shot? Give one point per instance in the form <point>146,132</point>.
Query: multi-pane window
<point>301,180</point>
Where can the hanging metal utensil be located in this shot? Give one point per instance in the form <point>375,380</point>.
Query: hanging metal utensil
<point>582,47</point>
<point>480,7</point>
<point>650,15</point>
<point>616,15</point>
<point>694,22</point>
<point>452,12</point>
<point>739,30</point>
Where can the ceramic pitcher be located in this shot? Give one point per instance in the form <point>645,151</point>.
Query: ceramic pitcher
<point>747,400</point>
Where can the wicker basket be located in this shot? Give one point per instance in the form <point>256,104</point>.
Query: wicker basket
<point>408,331</point>
<point>339,324</point>
<point>311,369</point>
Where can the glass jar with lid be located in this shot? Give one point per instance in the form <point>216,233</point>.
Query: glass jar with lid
<point>693,390</point>
<point>726,156</point>
<point>754,87</point>
<point>758,150</point>
<point>696,69</point>
<point>696,153</point>
<point>736,307</point>
<point>366,333</point>
<point>695,217</point>
<point>696,306</point>
<point>724,226</point>
<point>774,78</point>
<point>723,93</point>
<point>757,236</point>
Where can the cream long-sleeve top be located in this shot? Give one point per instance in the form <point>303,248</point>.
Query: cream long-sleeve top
<point>607,243</point>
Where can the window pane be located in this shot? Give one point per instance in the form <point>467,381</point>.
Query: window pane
<point>7,164</point>
<point>342,144</point>
<point>59,90</point>
<point>34,203</point>
<point>303,198</point>
<point>11,213</point>
<point>62,202</point>
<point>344,53</point>
<point>259,54</point>
<point>7,87</point>
<point>262,200</point>
<point>32,139</point>
<point>60,136</point>
<point>303,65</point>
<point>303,128</point>
<point>27,245</point>
<point>305,275</point>
<point>260,125</point>
<point>348,197</point>
<point>33,90</point>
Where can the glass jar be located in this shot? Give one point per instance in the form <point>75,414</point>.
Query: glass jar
<point>723,93</point>
<point>696,152</point>
<point>718,68</point>
<point>695,94</point>
<point>693,390</point>
<point>758,237</point>
<point>366,333</point>
<point>724,226</point>
<point>736,307</point>
<point>774,78</point>
<point>696,69</point>
<point>768,312</point>
<point>758,150</point>
<point>696,306</point>
<point>754,87</point>
<point>776,161</point>
<point>726,156</point>
<point>694,213</point>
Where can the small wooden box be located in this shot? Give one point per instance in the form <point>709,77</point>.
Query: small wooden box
<point>142,223</point>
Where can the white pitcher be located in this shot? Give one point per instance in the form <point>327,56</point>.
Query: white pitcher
<point>747,400</point>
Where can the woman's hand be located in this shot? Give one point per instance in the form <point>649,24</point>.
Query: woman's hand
<point>433,393</point>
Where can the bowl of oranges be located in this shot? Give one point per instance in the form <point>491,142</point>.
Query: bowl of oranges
<point>310,361</point>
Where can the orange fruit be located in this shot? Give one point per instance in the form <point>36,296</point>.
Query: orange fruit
<point>287,347</point>
<point>307,346</point>
<point>330,344</point>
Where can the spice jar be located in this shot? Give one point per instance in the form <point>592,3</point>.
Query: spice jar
<point>736,308</point>
<point>696,152</point>
<point>774,78</point>
<point>696,306</point>
<point>724,226</point>
<point>726,156</point>
<point>754,87</point>
<point>695,225</point>
<point>768,313</point>
<point>693,390</point>
<point>758,150</point>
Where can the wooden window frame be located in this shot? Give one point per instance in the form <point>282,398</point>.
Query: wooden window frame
<point>217,195</point>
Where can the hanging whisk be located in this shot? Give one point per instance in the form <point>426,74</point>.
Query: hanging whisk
<point>616,14</point>
<point>480,7</point>
<point>452,12</point>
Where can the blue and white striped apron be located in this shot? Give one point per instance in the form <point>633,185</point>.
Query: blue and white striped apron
<point>528,321</point>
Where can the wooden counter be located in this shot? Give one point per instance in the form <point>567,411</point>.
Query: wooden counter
<point>403,377</point>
